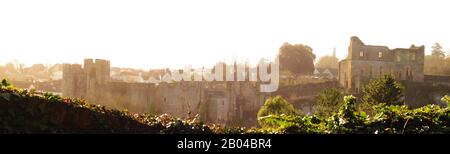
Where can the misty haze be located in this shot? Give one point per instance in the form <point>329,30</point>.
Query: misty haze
<point>237,67</point>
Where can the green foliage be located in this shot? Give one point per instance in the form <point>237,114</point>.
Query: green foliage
<point>6,83</point>
<point>167,124</point>
<point>446,99</point>
<point>437,65</point>
<point>297,58</point>
<point>277,106</point>
<point>23,111</point>
<point>388,119</point>
<point>327,62</point>
<point>328,101</point>
<point>437,50</point>
<point>347,119</point>
<point>52,97</point>
<point>430,119</point>
<point>289,124</point>
<point>383,90</point>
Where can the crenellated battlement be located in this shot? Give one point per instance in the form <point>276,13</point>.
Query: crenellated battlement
<point>216,101</point>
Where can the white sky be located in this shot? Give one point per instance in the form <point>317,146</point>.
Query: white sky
<point>168,33</point>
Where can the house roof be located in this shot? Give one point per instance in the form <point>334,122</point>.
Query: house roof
<point>333,71</point>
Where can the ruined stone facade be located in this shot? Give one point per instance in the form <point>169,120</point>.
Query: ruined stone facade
<point>225,102</point>
<point>366,62</point>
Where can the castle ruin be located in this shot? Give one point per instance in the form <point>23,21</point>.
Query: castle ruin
<point>224,102</point>
<point>367,62</point>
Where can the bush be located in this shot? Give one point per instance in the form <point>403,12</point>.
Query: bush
<point>446,99</point>
<point>328,101</point>
<point>277,106</point>
<point>23,111</point>
<point>6,83</point>
<point>388,119</point>
<point>382,90</point>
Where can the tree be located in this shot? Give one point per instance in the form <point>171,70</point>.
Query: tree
<point>432,65</point>
<point>297,58</point>
<point>5,83</point>
<point>437,50</point>
<point>276,106</point>
<point>446,99</point>
<point>329,101</point>
<point>327,62</point>
<point>436,65</point>
<point>383,90</point>
<point>446,66</point>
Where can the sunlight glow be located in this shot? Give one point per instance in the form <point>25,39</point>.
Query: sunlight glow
<point>174,33</point>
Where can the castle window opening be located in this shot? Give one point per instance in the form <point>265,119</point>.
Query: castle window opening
<point>353,85</point>
<point>379,61</point>
<point>345,80</point>
<point>407,73</point>
<point>381,71</point>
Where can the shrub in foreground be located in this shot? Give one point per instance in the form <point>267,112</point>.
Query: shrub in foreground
<point>388,119</point>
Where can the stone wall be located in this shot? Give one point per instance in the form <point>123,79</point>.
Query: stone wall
<point>225,102</point>
<point>74,81</point>
<point>445,80</point>
<point>303,96</point>
<point>47,86</point>
<point>367,62</point>
<point>418,94</point>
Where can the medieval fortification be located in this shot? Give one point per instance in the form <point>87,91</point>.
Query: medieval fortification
<point>237,102</point>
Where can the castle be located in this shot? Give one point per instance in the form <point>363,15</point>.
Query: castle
<point>225,102</point>
<point>232,102</point>
<point>366,62</point>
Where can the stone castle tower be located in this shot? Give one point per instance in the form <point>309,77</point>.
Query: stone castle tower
<point>84,82</point>
<point>73,82</point>
<point>218,101</point>
<point>367,62</point>
<point>97,75</point>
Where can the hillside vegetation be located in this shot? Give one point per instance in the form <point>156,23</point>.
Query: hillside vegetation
<point>29,111</point>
